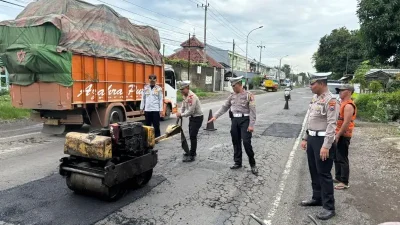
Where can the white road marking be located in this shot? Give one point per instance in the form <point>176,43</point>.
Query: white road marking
<point>285,175</point>
<point>18,136</point>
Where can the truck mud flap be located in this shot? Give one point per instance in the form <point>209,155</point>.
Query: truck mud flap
<point>53,129</point>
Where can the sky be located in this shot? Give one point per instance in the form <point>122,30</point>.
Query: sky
<point>291,28</point>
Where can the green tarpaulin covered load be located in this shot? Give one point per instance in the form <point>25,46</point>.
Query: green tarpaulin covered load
<point>38,44</point>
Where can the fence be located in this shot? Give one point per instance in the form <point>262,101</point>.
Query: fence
<point>4,83</point>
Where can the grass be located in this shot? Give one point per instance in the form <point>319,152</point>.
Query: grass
<point>199,92</point>
<point>8,112</point>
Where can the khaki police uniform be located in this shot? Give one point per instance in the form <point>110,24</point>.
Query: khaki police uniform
<point>191,107</point>
<point>321,124</point>
<point>243,114</point>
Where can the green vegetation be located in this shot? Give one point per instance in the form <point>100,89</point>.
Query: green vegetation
<point>7,111</point>
<point>199,92</point>
<point>380,107</point>
<point>256,81</point>
<point>183,63</point>
<point>393,86</point>
<point>375,86</point>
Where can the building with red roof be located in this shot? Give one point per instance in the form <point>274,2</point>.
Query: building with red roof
<point>196,50</point>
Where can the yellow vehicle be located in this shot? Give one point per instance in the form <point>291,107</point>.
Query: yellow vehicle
<point>271,85</point>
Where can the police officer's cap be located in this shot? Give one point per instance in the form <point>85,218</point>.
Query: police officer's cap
<point>183,84</point>
<point>235,80</point>
<point>345,87</point>
<point>314,77</point>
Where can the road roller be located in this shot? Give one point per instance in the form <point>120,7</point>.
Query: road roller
<point>108,162</point>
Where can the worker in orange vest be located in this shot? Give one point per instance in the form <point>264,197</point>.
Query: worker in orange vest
<point>344,132</point>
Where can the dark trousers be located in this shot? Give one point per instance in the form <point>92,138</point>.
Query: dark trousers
<point>238,133</point>
<point>194,127</point>
<point>342,169</point>
<point>320,171</point>
<point>153,119</point>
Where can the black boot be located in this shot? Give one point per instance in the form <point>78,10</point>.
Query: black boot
<point>236,166</point>
<point>254,170</point>
<point>189,158</point>
<point>326,214</point>
<point>311,202</point>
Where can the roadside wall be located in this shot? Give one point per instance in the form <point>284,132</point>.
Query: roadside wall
<point>205,78</point>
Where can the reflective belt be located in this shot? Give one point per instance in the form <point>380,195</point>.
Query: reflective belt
<point>316,133</point>
<point>240,115</point>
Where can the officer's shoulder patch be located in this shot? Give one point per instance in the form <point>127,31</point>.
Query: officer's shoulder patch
<point>332,105</point>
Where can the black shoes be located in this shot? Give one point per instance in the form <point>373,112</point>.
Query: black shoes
<point>326,214</point>
<point>254,170</point>
<point>236,166</point>
<point>188,158</point>
<point>311,202</point>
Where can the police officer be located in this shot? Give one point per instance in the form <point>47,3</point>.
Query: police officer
<point>243,115</point>
<point>191,107</point>
<point>319,141</point>
<point>152,104</point>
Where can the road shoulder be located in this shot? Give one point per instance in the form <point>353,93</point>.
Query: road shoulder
<point>373,196</point>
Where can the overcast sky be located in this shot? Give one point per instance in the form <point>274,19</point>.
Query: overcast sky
<point>291,27</point>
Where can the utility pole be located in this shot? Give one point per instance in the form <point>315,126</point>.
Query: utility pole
<point>205,6</point>
<point>189,60</point>
<point>347,62</point>
<point>259,62</point>
<point>233,57</point>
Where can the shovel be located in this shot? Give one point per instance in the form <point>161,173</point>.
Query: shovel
<point>174,130</point>
<point>185,145</point>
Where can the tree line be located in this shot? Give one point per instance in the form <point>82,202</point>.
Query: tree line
<point>375,44</point>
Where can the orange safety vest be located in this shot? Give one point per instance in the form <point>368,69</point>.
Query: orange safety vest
<point>349,131</point>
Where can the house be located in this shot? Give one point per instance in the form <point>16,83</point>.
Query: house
<point>227,57</point>
<point>382,75</point>
<point>347,78</point>
<point>193,50</point>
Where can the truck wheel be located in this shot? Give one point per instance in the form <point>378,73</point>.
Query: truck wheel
<point>167,113</point>
<point>142,179</point>
<point>116,115</point>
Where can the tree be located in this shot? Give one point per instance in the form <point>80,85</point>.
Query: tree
<point>359,75</point>
<point>380,29</point>
<point>375,86</point>
<point>337,50</point>
<point>286,69</point>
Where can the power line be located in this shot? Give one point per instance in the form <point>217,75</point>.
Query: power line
<point>169,30</point>
<point>141,15</point>
<point>228,23</point>
<point>161,14</point>
<point>12,3</point>
<point>215,17</point>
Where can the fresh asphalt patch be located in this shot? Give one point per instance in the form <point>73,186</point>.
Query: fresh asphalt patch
<point>49,201</point>
<point>285,130</point>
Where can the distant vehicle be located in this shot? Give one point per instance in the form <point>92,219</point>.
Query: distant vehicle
<point>332,85</point>
<point>271,85</point>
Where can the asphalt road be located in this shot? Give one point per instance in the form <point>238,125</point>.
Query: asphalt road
<point>202,192</point>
